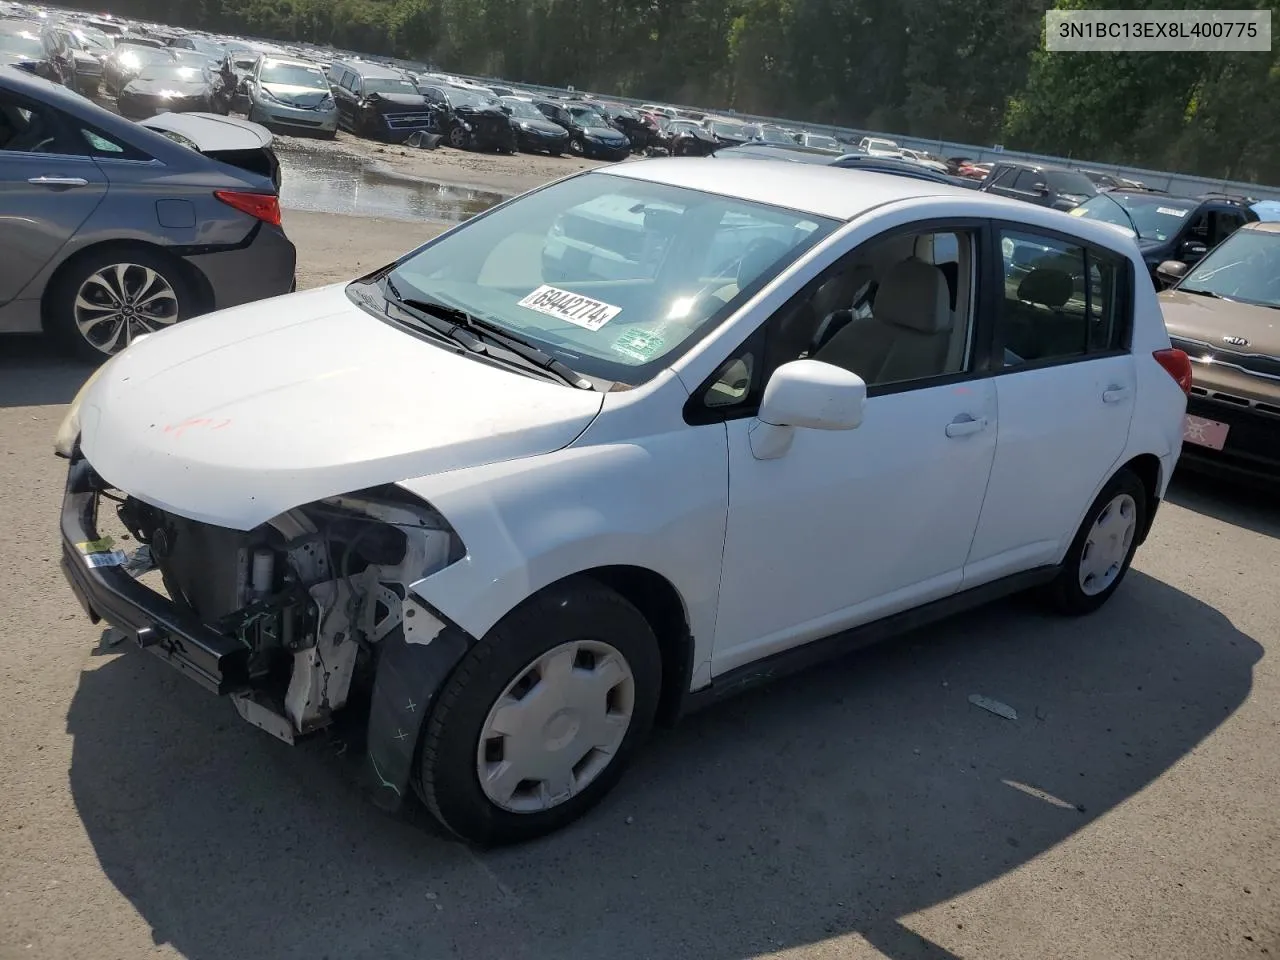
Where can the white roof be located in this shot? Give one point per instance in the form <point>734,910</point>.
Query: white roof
<point>835,192</point>
<point>842,194</point>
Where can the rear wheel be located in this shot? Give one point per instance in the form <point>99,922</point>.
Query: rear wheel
<point>540,719</point>
<point>1103,547</point>
<point>103,302</point>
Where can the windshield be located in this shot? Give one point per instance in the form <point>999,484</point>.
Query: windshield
<point>775,135</point>
<point>523,109</point>
<point>825,143</point>
<point>588,117</point>
<point>1246,266</point>
<point>733,130</point>
<point>293,75</point>
<point>462,97</point>
<point>388,85</point>
<point>191,58</point>
<point>613,276</point>
<point>24,42</point>
<point>1153,218</point>
<point>134,57</point>
<point>96,42</point>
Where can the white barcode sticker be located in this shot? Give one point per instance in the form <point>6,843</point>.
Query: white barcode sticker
<point>571,307</point>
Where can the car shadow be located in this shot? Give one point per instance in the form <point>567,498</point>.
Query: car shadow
<point>34,373</point>
<point>834,802</point>
<point>1250,504</point>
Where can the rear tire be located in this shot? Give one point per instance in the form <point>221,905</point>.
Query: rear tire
<point>614,660</point>
<point>1103,548</point>
<point>106,298</point>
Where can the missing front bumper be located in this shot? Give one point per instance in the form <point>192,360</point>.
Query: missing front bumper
<point>215,661</point>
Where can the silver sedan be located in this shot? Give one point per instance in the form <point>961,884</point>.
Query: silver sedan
<point>291,93</point>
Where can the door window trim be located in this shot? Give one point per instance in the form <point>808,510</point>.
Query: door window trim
<point>1126,300</point>
<point>981,326</point>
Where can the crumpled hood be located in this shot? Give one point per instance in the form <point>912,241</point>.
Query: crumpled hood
<point>385,100</point>
<point>238,416</point>
<point>296,96</point>
<point>147,87</point>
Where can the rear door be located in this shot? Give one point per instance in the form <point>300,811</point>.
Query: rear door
<point>1065,386</point>
<point>48,187</point>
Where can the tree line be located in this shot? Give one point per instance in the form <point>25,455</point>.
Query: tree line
<point>973,71</point>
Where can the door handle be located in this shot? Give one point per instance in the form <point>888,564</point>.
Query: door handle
<point>965,426</point>
<point>59,181</point>
<point>1115,394</point>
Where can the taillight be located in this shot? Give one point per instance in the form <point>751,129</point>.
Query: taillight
<point>1177,364</point>
<point>264,206</point>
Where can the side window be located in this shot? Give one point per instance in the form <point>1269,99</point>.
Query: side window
<point>350,82</point>
<point>896,311</point>
<point>1198,229</point>
<point>1028,180</point>
<point>1004,176</point>
<point>1223,223</point>
<point>30,128</point>
<point>1061,300</point>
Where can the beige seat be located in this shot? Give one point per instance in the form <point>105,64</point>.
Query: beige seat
<point>909,335</point>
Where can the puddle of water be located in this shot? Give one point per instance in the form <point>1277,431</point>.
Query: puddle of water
<point>323,182</point>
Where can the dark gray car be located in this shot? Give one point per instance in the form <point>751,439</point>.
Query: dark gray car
<point>113,230</point>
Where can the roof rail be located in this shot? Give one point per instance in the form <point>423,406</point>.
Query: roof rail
<point>1228,197</point>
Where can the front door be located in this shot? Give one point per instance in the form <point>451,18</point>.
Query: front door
<point>1066,395</point>
<point>844,527</point>
<point>48,188</point>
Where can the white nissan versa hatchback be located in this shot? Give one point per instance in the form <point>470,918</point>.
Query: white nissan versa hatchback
<point>618,447</point>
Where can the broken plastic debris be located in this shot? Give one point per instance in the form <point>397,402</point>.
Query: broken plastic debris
<point>423,140</point>
<point>993,706</point>
<point>140,562</point>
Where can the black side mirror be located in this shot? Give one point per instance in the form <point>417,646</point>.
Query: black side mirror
<point>1193,250</point>
<point>1171,271</point>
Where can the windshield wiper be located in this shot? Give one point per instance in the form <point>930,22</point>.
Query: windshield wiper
<point>470,330</point>
<point>1201,293</point>
<point>1125,210</point>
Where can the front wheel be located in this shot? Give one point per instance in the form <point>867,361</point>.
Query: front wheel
<point>541,718</point>
<point>1103,547</point>
<point>576,148</point>
<point>106,300</point>
<point>458,137</point>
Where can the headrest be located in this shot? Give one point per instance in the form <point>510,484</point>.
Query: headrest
<point>838,292</point>
<point>913,294</point>
<point>1046,286</point>
<point>762,253</point>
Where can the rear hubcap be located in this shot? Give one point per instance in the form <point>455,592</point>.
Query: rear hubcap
<point>1108,544</point>
<point>556,726</point>
<point>120,302</point>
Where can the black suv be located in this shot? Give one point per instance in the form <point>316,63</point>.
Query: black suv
<point>1039,183</point>
<point>470,118</point>
<point>378,102</point>
<point>1182,229</point>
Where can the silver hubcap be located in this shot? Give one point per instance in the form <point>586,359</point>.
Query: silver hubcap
<point>123,301</point>
<point>556,727</point>
<point>1108,544</point>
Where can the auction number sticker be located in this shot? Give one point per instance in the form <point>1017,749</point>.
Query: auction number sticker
<point>1171,212</point>
<point>571,307</point>
<point>101,553</point>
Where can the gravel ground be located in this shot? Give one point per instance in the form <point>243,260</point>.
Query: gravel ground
<point>501,173</point>
<point>863,810</point>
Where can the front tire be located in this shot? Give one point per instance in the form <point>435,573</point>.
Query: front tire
<point>541,718</point>
<point>458,137</point>
<point>1103,548</point>
<point>106,299</point>
<point>576,148</point>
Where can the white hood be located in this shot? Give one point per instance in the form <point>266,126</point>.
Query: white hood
<point>237,416</point>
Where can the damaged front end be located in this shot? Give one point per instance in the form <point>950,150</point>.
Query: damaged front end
<point>286,618</point>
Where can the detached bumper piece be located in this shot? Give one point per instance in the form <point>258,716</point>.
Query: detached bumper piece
<point>218,662</point>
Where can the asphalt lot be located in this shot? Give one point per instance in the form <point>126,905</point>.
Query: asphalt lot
<point>862,810</point>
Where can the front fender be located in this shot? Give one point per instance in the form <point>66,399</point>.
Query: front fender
<point>659,502</point>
